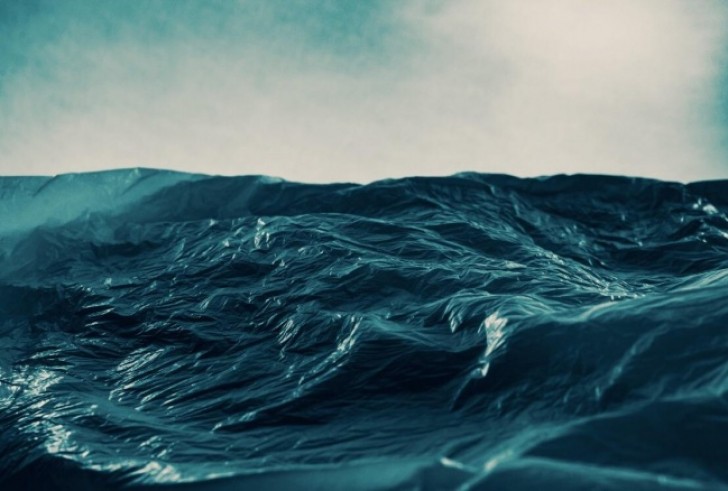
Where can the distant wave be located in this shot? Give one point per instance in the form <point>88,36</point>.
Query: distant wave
<point>475,332</point>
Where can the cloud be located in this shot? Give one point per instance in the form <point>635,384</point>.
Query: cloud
<point>337,90</point>
<point>614,87</point>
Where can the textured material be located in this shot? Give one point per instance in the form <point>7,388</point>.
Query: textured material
<point>476,331</point>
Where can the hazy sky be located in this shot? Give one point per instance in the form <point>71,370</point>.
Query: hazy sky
<point>356,90</point>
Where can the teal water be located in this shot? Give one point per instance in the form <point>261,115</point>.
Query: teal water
<point>167,330</point>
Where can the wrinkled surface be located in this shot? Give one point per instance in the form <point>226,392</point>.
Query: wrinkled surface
<point>472,332</point>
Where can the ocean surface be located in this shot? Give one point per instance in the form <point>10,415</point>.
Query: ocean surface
<point>162,330</point>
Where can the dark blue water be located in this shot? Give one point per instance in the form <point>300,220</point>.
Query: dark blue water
<point>475,332</point>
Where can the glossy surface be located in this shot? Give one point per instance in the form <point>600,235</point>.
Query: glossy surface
<point>472,332</point>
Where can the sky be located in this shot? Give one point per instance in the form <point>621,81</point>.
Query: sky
<point>346,90</point>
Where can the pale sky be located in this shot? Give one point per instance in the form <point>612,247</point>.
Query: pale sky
<point>344,90</point>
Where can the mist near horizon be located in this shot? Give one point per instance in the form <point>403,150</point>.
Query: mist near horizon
<point>359,91</point>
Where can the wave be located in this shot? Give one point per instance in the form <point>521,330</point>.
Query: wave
<point>476,332</point>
